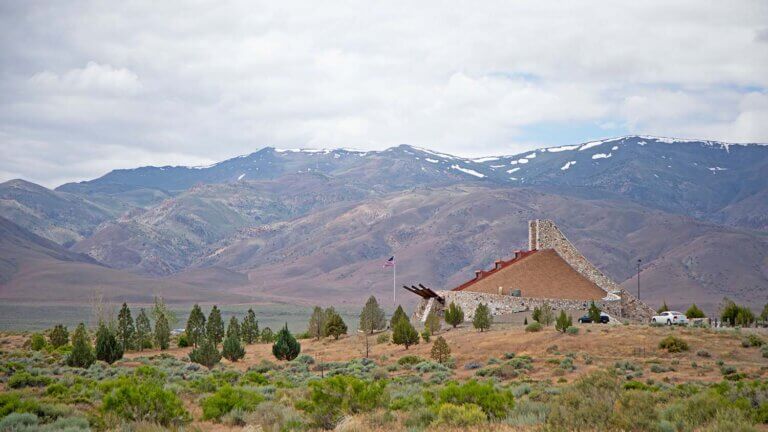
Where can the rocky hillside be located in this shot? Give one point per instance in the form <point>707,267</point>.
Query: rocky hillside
<point>316,224</point>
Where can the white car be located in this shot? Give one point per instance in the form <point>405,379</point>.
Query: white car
<point>670,318</point>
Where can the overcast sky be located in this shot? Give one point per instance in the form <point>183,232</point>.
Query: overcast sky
<point>86,87</point>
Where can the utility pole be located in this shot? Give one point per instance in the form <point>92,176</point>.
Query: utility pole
<point>638,278</point>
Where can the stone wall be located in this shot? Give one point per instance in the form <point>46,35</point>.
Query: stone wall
<point>544,234</point>
<point>505,304</point>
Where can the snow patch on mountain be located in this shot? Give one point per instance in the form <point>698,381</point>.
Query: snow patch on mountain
<point>601,156</point>
<point>568,165</point>
<point>468,171</point>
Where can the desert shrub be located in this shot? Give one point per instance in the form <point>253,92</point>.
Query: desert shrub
<point>228,398</point>
<point>673,344</point>
<point>693,412</point>
<point>495,403</point>
<point>409,360</point>
<point>36,342</point>
<point>635,410</point>
<point>657,368</point>
<point>18,422</point>
<point>527,413</point>
<point>573,331</point>
<point>23,379</point>
<point>472,365</point>
<point>428,367</point>
<point>382,338</point>
<point>460,415</point>
<point>253,377</point>
<point>533,327</point>
<point>703,353</point>
<point>626,366</point>
<point>425,335</point>
<point>331,398</point>
<point>764,351</point>
<point>752,340</point>
<point>135,399</point>
<point>585,405</point>
<point>275,417</point>
<point>183,341</point>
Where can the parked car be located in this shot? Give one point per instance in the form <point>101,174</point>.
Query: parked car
<point>604,318</point>
<point>670,318</point>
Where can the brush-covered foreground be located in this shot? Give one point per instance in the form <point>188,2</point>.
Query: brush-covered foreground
<point>620,378</point>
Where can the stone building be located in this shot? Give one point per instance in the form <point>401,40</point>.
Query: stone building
<point>552,271</point>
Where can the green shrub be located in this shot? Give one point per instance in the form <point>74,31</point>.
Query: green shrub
<point>587,404</point>
<point>409,360</point>
<point>23,379</point>
<point>752,340</point>
<point>37,342</point>
<point>673,344</point>
<point>59,336</point>
<point>134,399</point>
<point>12,402</point>
<point>533,327</point>
<point>19,422</point>
<point>107,347</point>
<point>573,331</point>
<point>205,354</point>
<point>425,335</point>
<point>460,415</point>
<point>495,403</point>
<point>382,338</point>
<point>331,398</point>
<point>635,410</point>
<point>228,398</point>
<point>82,355</point>
<point>253,377</point>
<point>703,353</point>
<point>183,341</point>
<point>764,351</point>
<point>563,322</point>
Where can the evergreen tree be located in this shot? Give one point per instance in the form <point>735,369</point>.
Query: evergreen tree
<point>205,354</point>
<point>525,321</point>
<point>334,324</point>
<point>250,328</point>
<point>397,316</point>
<point>372,317</point>
<point>663,308</point>
<point>594,313</point>
<point>482,320</point>
<point>159,308</point>
<point>195,326</point>
<point>214,328</point>
<point>405,334</point>
<point>694,312</point>
<point>126,332</point>
<point>317,323</point>
<point>563,322</point>
<point>59,336</point>
<point>162,332</point>
<point>232,350</point>
<point>546,314</point>
<point>286,346</point>
<point>143,331</point>
<point>536,315</point>
<point>234,328</point>
<point>267,336</point>
<point>440,350</point>
<point>764,313</point>
<point>107,347</point>
<point>82,351</point>
<point>426,335</point>
<point>454,315</point>
<point>433,322</point>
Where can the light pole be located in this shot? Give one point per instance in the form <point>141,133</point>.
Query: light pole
<point>638,278</point>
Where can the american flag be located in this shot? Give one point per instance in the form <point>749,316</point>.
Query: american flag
<point>390,262</point>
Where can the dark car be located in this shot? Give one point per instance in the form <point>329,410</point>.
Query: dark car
<point>604,318</point>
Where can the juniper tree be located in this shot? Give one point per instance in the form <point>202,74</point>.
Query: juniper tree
<point>316,325</point>
<point>267,336</point>
<point>59,336</point>
<point>397,316</point>
<point>563,322</point>
<point>214,327</point>
<point>162,332</point>
<point>694,312</point>
<point>126,332</point>
<point>404,334</point>
<point>159,308</point>
<point>286,346</point>
<point>454,315</point>
<point>433,322</point>
<point>232,350</point>
<point>372,317</point>
<point>594,312</point>
<point>143,331</point>
<point>250,328</point>
<point>334,324</point>
<point>205,354</point>
<point>546,315</point>
<point>482,319</point>
<point>440,350</point>
<point>234,328</point>
<point>107,347</point>
<point>195,326</point>
<point>82,351</point>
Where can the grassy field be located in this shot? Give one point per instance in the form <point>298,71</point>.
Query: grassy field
<point>601,378</point>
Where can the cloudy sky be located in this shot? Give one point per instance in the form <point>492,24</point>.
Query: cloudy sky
<point>86,87</point>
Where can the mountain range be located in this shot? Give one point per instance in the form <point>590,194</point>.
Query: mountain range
<point>307,225</point>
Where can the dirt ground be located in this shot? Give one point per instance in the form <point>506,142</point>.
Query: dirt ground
<point>605,345</point>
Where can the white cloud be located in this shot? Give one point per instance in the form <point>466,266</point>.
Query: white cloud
<point>211,80</point>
